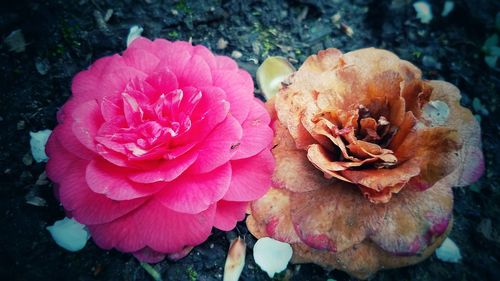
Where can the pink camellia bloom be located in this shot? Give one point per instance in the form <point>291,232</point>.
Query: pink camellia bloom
<point>158,145</point>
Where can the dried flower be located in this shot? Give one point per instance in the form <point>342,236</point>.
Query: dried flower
<point>158,145</point>
<point>365,121</point>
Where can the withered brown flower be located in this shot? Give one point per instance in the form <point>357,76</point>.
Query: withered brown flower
<point>365,121</point>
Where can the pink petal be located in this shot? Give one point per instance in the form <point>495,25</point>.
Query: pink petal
<point>86,206</point>
<point>238,86</point>
<point>211,96</point>
<point>111,181</point>
<point>173,56</point>
<point>227,63</point>
<point>84,86</point>
<point>111,107</point>
<point>195,193</point>
<point>141,59</point>
<point>148,255</point>
<point>168,170</point>
<point>142,43</point>
<point>473,166</point>
<point>155,226</point>
<point>88,119</point>
<point>196,73</point>
<point>228,214</point>
<point>206,54</point>
<point>211,110</point>
<point>163,82</point>
<point>66,137</point>
<point>257,135</point>
<point>113,83</point>
<point>218,147</point>
<point>251,177</point>
<point>59,159</point>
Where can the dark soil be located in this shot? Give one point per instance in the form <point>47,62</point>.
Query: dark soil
<point>64,37</point>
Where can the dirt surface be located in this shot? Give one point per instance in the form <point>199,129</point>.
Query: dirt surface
<point>64,37</point>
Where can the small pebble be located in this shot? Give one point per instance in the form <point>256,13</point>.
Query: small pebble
<point>42,179</point>
<point>42,66</point>
<point>236,54</point>
<point>448,8</point>
<point>222,43</point>
<point>27,159</point>
<point>15,41</point>
<point>108,15</point>
<point>21,125</point>
<point>424,11</point>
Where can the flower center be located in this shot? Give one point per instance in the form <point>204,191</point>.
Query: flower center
<point>360,135</point>
<point>151,122</point>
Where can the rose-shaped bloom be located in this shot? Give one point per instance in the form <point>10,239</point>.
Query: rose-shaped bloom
<point>157,146</point>
<point>366,155</point>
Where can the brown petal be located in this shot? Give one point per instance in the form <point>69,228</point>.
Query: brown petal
<point>301,92</point>
<point>318,156</point>
<point>364,150</point>
<point>471,161</point>
<point>334,217</point>
<point>325,128</point>
<point>382,196</point>
<point>383,86</point>
<point>406,127</point>
<point>415,218</point>
<point>369,128</point>
<point>293,171</point>
<point>435,150</point>
<point>397,115</point>
<point>378,179</point>
<point>273,212</point>
<point>416,93</point>
<point>361,260</point>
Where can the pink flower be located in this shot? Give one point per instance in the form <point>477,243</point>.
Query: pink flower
<point>157,146</point>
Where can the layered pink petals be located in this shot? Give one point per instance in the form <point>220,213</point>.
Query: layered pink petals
<point>154,226</point>
<point>159,145</point>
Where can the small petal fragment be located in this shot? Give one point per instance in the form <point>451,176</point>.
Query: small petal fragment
<point>134,32</point>
<point>449,252</point>
<point>69,234</point>
<point>235,260</point>
<point>272,255</point>
<point>37,143</point>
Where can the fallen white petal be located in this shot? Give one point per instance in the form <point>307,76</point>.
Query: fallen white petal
<point>37,143</point>
<point>271,255</point>
<point>436,112</point>
<point>134,32</point>
<point>69,234</point>
<point>448,251</point>
<point>424,11</point>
